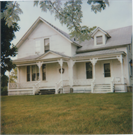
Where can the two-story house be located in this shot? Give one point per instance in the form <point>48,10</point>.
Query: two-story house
<point>50,61</point>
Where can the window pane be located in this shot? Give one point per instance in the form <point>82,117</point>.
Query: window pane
<point>107,70</point>
<point>99,40</point>
<point>44,72</point>
<point>89,70</point>
<point>28,73</point>
<point>46,44</point>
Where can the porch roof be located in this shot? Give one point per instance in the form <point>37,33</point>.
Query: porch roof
<point>99,53</point>
<point>38,57</point>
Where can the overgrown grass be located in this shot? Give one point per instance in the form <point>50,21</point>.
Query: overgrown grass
<point>67,114</point>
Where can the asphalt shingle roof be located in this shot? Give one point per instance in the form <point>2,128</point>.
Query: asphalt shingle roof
<point>120,36</point>
<point>98,53</point>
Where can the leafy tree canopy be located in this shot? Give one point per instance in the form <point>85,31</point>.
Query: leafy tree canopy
<point>68,12</point>
<point>7,35</point>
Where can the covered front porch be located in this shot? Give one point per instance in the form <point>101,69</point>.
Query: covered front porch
<point>80,74</point>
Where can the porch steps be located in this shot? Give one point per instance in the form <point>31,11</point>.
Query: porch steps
<point>102,88</point>
<point>46,91</point>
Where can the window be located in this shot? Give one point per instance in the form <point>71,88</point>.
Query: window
<point>46,45</point>
<point>43,72</point>
<point>35,73</point>
<point>28,73</point>
<point>107,70</point>
<point>89,70</point>
<point>99,40</point>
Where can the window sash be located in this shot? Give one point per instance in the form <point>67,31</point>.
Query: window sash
<point>43,72</point>
<point>28,73</point>
<point>99,40</point>
<point>89,70</point>
<point>107,70</point>
<point>35,73</point>
<point>46,44</point>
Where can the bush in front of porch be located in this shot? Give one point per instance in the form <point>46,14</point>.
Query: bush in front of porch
<point>67,114</point>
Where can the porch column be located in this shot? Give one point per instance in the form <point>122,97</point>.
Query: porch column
<point>94,61</point>
<point>70,66</point>
<point>17,74</point>
<point>61,65</point>
<point>39,64</point>
<point>120,58</point>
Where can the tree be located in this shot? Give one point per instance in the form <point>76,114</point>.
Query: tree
<point>70,14</point>
<point>13,76</point>
<point>8,50</point>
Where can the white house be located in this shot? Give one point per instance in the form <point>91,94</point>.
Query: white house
<point>49,61</point>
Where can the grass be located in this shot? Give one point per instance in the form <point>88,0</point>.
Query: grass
<point>67,114</point>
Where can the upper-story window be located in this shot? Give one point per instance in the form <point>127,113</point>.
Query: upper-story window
<point>46,45</point>
<point>99,40</point>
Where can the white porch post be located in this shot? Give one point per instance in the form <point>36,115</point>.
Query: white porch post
<point>120,58</point>
<point>17,74</point>
<point>39,64</point>
<point>61,65</point>
<point>93,61</point>
<point>70,66</point>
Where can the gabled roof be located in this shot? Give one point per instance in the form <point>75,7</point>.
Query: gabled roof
<point>99,29</point>
<point>119,37</point>
<point>65,35</point>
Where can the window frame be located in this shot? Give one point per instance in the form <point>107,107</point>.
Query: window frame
<point>45,72</point>
<point>28,74</point>
<point>87,71</point>
<point>104,70</point>
<point>102,40</point>
<point>45,45</point>
<point>36,74</point>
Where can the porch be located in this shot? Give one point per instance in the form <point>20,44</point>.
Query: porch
<point>84,74</point>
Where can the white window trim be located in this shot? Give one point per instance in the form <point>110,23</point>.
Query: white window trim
<point>46,74</point>
<point>49,43</point>
<point>110,68</point>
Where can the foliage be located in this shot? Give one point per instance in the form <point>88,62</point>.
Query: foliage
<point>71,14</point>
<point>68,12</point>
<point>67,114</point>
<point>13,75</point>
<point>8,50</point>
<point>11,14</point>
<point>4,82</point>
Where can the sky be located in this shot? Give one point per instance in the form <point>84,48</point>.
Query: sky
<point>117,14</point>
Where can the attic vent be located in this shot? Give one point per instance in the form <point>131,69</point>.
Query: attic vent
<point>99,40</point>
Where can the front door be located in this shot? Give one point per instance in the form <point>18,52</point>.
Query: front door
<point>107,72</point>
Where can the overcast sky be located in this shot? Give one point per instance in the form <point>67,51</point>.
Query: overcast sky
<point>118,14</point>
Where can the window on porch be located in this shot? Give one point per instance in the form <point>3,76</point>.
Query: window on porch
<point>107,70</point>
<point>46,45</point>
<point>28,73</point>
<point>88,70</point>
<point>43,72</point>
<point>35,73</point>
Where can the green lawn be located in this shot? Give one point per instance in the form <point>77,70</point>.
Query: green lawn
<point>67,114</point>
